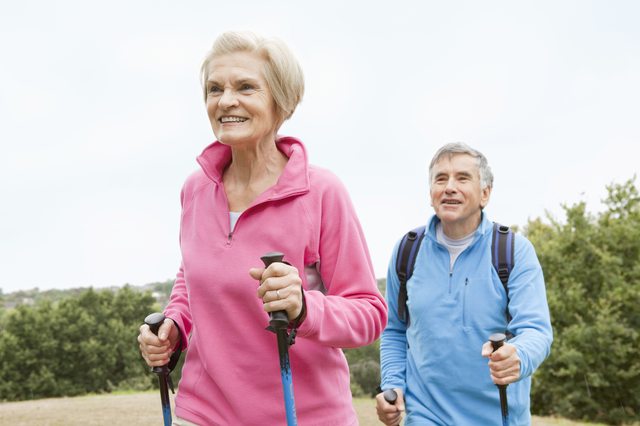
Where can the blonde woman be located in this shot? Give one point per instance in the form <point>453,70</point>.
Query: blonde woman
<point>256,193</point>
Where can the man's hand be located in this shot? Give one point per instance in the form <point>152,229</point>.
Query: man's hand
<point>390,415</point>
<point>504,364</point>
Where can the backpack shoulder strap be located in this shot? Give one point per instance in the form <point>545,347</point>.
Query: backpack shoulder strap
<point>502,249</point>
<point>405,261</point>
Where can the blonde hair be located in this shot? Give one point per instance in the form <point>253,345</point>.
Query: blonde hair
<point>282,71</point>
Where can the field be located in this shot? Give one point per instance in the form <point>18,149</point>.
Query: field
<point>138,409</point>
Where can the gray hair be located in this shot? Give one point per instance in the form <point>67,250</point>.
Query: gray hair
<point>282,71</point>
<point>451,149</point>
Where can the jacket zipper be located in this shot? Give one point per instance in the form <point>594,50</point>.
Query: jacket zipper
<point>464,302</point>
<point>268,200</point>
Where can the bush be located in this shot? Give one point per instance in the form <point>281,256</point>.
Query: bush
<point>592,271</point>
<point>79,345</point>
<point>364,366</point>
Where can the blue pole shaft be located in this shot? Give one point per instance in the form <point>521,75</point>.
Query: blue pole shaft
<point>287,379</point>
<point>164,398</point>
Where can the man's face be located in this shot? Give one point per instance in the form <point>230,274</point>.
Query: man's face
<point>456,195</point>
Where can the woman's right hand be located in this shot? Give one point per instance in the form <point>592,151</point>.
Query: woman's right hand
<point>156,350</point>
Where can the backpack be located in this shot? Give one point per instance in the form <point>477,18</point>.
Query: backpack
<point>501,257</point>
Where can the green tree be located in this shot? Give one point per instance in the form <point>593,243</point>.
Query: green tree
<point>592,270</point>
<point>81,344</point>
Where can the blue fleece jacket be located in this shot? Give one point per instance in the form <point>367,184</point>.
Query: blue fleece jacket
<point>437,360</point>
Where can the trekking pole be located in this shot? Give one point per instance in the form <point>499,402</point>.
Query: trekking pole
<point>154,321</point>
<point>278,322</point>
<point>497,340</point>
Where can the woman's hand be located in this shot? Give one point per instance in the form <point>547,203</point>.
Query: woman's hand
<point>280,288</point>
<point>156,350</point>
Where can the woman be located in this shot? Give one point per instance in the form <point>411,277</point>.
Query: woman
<point>255,194</point>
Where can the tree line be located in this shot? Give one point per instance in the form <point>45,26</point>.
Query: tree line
<point>591,262</point>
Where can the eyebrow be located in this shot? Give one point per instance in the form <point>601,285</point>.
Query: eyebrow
<point>463,173</point>
<point>238,82</point>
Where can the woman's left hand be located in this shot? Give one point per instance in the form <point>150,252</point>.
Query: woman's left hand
<point>280,288</point>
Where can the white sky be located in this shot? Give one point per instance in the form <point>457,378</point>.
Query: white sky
<point>101,116</point>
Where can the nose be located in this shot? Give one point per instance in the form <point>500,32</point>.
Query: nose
<point>451,185</point>
<point>228,99</point>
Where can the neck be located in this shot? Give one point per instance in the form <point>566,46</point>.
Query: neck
<point>254,164</point>
<point>455,230</point>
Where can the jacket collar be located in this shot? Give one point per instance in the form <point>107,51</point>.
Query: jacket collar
<point>485,227</point>
<point>293,180</point>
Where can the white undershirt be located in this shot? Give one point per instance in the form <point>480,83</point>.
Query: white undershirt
<point>233,218</point>
<point>454,246</point>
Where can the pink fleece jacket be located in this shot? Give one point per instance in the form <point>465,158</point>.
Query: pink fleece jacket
<point>232,373</point>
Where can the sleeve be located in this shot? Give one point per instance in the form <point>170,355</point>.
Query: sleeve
<point>393,345</point>
<point>530,319</point>
<point>353,312</point>
<point>178,307</point>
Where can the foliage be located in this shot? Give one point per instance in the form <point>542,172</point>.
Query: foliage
<point>364,365</point>
<point>78,345</point>
<point>592,270</point>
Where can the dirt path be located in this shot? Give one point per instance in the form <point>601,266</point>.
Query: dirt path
<point>132,410</point>
<point>138,409</point>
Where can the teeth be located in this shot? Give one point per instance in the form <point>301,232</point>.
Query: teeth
<point>232,119</point>
<point>451,202</point>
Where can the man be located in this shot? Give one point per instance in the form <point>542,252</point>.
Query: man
<point>455,301</point>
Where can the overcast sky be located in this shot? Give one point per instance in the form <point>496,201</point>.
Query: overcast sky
<point>101,116</point>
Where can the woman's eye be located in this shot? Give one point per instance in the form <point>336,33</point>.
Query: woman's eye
<point>214,89</point>
<point>246,87</point>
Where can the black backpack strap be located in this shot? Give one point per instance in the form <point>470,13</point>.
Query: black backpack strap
<point>405,261</point>
<point>502,249</point>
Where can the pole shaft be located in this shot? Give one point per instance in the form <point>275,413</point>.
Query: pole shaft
<point>154,321</point>
<point>279,322</point>
<point>497,340</point>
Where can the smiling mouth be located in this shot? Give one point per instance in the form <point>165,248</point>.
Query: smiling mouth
<point>232,119</point>
<point>451,202</point>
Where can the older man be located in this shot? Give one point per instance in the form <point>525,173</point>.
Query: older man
<point>455,299</point>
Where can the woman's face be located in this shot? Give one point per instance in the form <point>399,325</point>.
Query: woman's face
<point>239,103</point>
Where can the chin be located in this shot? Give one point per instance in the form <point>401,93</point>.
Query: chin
<point>228,139</point>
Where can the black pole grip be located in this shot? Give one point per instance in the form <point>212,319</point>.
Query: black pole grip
<point>391,396</point>
<point>497,340</point>
<point>279,319</point>
<point>154,321</point>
